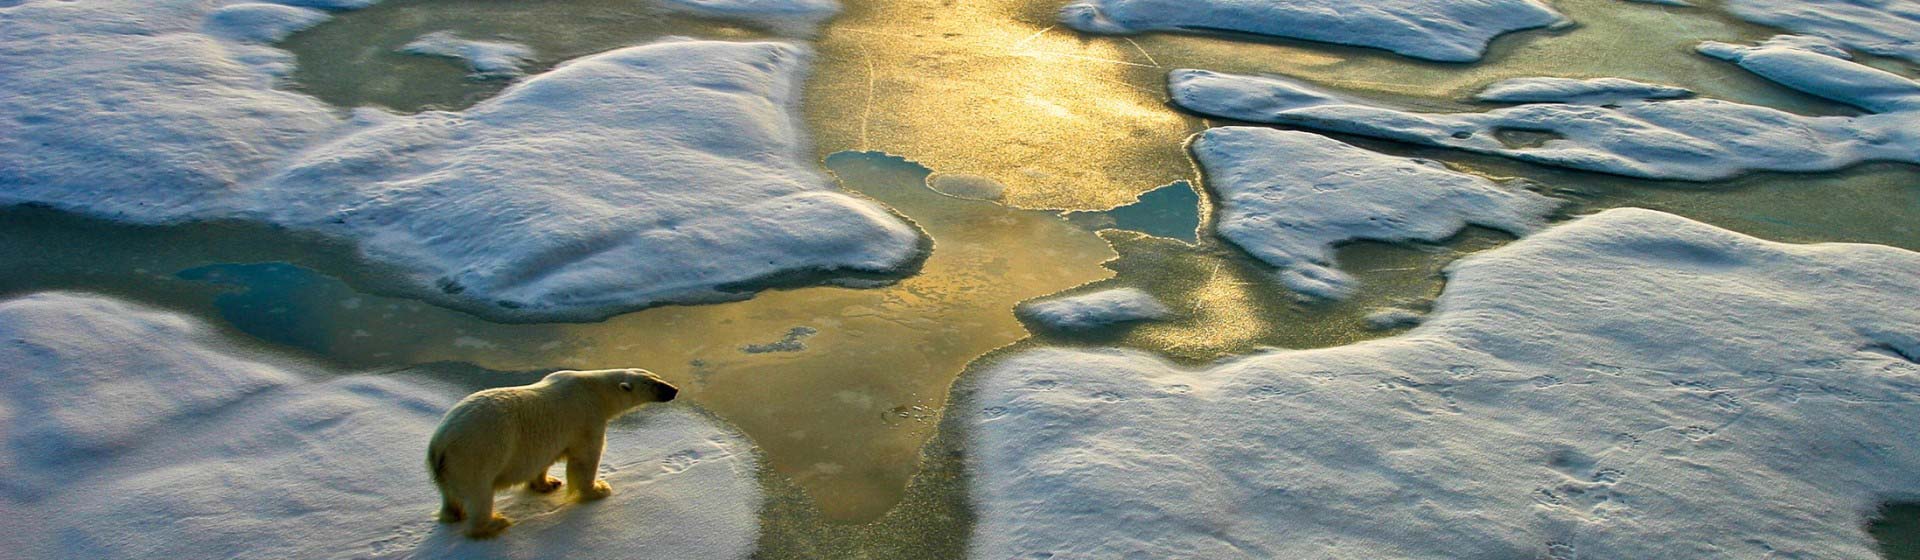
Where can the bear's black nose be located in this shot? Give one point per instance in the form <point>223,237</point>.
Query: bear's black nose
<point>667,392</point>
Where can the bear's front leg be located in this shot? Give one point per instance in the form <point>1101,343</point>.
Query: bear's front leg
<point>583,469</point>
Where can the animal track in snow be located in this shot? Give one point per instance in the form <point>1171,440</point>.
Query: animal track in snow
<point>680,461</point>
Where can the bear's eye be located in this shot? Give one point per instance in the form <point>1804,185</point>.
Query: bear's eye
<point>625,386</point>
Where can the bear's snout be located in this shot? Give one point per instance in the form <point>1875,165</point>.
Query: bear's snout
<point>665,392</point>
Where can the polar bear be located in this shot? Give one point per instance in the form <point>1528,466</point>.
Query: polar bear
<point>500,437</point>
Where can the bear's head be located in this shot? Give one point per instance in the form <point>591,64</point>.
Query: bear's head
<point>646,386</point>
<point>622,389</point>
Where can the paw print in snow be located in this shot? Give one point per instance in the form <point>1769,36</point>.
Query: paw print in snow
<point>680,461</point>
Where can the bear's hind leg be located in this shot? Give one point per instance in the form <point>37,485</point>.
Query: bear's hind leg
<point>482,522</point>
<point>450,510</point>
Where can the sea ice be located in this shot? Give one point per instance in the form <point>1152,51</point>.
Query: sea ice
<point>1882,27</point>
<point>485,59</point>
<point>1392,318</point>
<point>1444,30</point>
<point>261,23</point>
<point>797,17</point>
<point>137,433</point>
<point>1290,197</point>
<point>125,109</point>
<point>650,174</point>
<point>1593,91</point>
<point>1687,139</point>
<point>1819,67</point>
<point>669,172</point>
<point>1627,385</point>
<point>1094,309</point>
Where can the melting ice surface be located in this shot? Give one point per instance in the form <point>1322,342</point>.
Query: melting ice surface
<point>826,380</point>
<point>842,411</point>
<point>1172,211</point>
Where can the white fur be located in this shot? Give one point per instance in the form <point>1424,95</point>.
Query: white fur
<point>501,437</point>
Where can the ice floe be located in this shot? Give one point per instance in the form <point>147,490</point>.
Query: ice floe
<point>1882,27</point>
<point>1819,67</point>
<point>1689,139</point>
<point>1593,91</point>
<point>1095,309</point>
<point>669,172</point>
<point>1627,385</point>
<point>136,433</point>
<point>1444,30</point>
<point>1392,318</point>
<point>650,174</point>
<point>1290,198</point>
<point>485,59</point>
<point>124,108</point>
<point>261,23</point>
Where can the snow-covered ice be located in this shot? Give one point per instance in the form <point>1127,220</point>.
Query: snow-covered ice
<point>650,174</point>
<point>1444,30</point>
<point>1392,318</point>
<point>668,172</point>
<point>1819,67</point>
<point>1882,27</point>
<point>484,59</point>
<point>1290,198</point>
<point>1627,385</point>
<point>1592,91</point>
<point>261,23</point>
<point>124,108</point>
<point>136,433</point>
<point>1688,139</point>
<point>1095,309</point>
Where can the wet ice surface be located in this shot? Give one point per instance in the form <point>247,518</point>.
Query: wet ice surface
<point>1172,211</point>
<point>1897,527</point>
<point>1592,390</point>
<point>139,433</point>
<point>797,17</point>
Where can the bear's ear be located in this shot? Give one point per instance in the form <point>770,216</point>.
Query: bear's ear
<point>625,386</point>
